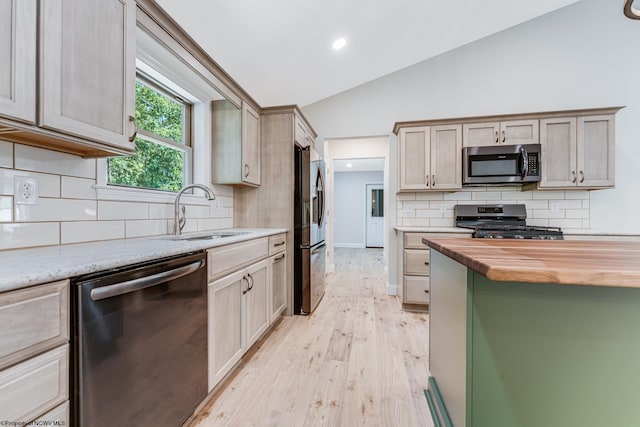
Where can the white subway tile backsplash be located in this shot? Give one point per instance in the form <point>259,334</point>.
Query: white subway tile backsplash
<point>461,195</point>
<point>487,195</point>
<point>41,160</point>
<point>197,211</point>
<point>585,204</point>
<point>48,185</point>
<point>576,194</point>
<point>538,222</point>
<point>567,204</point>
<point>20,235</point>
<point>88,231</point>
<point>6,209</point>
<point>577,213</point>
<point>537,213</point>
<point>429,196</point>
<point>220,212</point>
<point>428,213</point>
<point>416,205</point>
<point>442,222</point>
<point>108,210</point>
<point>226,223</point>
<point>406,213</point>
<point>6,154</point>
<point>78,188</point>
<point>548,195</point>
<point>535,204</point>
<point>223,202</point>
<point>517,195</point>
<point>206,224</point>
<point>416,222</point>
<point>161,211</point>
<point>56,210</point>
<point>408,196</point>
<point>140,228</point>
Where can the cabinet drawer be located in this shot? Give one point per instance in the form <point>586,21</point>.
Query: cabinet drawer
<point>33,387</point>
<point>416,290</point>
<point>33,320</point>
<point>416,262</point>
<point>228,258</point>
<point>277,243</point>
<point>414,240</point>
<point>58,416</point>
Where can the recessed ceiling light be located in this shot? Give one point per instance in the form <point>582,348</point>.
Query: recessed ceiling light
<point>348,165</point>
<point>339,44</point>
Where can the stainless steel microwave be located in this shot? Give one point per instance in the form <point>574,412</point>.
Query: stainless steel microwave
<point>501,164</point>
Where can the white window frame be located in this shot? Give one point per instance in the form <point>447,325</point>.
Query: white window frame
<point>161,65</point>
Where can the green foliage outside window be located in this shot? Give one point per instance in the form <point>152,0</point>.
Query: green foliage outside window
<point>154,165</point>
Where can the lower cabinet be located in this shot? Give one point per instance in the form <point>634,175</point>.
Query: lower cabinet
<point>34,354</point>
<point>242,306</point>
<point>278,285</point>
<point>415,268</point>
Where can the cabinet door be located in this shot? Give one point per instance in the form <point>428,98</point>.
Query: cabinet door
<point>519,132</point>
<point>416,289</point>
<point>250,145</point>
<point>278,285</point>
<point>300,133</point>
<point>595,151</point>
<point>446,157</point>
<point>87,68</point>
<point>558,156</point>
<point>257,302</point>
<point>414,158</point>
<point>18,19</point>
<point>480,134</point>
<point>225,325</point>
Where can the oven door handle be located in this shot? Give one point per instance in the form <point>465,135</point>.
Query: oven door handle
<point>143,282</point>
<point>524,156</point>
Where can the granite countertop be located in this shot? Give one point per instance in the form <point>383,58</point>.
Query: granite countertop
<point>596,263</point>
<point>27,267</point>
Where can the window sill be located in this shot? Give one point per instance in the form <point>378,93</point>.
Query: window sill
<point>108,192</point>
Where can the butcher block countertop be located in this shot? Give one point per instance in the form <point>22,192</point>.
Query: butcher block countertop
<point>591,263</point>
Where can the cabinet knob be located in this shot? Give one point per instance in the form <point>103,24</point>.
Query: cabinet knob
<point>246,170</point>
<point>497,137</point>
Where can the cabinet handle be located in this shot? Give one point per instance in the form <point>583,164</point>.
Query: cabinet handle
<point>275,245</point>
<point>250,277</point>
<point>433,180</point>
<point>581,177</point>
<point>504,136</point>
<point>246,170</point>
<point>132,137</point>
<point>497,137</point>
<point>426,263</point>
<point>573,174</point>
<point>426,291</point>
<point>279,258</point>
<point>426,180</point>
<point>248,287</point>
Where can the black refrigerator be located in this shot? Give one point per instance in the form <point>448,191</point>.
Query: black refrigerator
<point>309,225</point>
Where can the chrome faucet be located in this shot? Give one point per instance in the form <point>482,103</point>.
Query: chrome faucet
<point>180,221</point>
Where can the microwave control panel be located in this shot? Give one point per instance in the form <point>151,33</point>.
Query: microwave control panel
<point>533,165</point>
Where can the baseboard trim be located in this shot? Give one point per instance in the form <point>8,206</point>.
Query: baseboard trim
<point>392,289</point>
<point>349,245</point>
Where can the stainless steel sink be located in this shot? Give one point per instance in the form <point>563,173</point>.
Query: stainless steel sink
<point>210,236</point>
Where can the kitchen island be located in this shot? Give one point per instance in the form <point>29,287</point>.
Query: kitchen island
<point>534,333</point>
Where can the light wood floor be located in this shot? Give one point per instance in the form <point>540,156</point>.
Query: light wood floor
<point>357,360</point>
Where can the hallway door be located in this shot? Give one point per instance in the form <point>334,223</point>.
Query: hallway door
<point>375,216</point>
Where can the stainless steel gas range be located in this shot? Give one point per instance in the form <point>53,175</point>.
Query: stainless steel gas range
<point>502,222</point>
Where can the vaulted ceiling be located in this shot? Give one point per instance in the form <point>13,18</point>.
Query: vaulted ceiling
<point>280,51</point>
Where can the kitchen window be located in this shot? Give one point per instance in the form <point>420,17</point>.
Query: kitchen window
<point>163,143</point>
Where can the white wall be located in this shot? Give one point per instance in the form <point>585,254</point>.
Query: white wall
<point>582,56</point>
<point>350,206</point>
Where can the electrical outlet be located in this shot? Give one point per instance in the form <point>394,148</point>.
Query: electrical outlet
<point>25,190</point>
<point>443,209</point>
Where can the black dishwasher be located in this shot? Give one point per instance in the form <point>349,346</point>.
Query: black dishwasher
<point>140,343</point>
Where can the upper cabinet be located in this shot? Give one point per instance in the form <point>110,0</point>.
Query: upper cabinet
<point>577,147</point>
<point>18,66</point>
<point>235,144</point>
<point>577,152</point>
<point>250,145</point>
<point>302,135</point>
<point>511,132</point>
<point>85,68</point>
<point>430,158</point>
